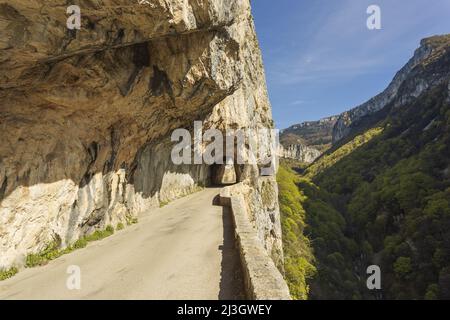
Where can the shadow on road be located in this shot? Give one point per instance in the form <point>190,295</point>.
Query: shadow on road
<point>231,281</point>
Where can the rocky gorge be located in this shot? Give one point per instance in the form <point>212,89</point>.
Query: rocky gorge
<point>379,196</point>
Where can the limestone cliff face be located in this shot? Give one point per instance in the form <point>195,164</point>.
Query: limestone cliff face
<point>420,74</point>
<point>308,140</point>
<point>86,115</point>
<point>299,152</point>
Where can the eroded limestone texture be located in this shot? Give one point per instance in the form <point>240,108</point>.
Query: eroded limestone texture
<point>86,115</point>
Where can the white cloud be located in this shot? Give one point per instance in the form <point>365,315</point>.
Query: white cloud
<point>341,46</point>
<point>298,102</point>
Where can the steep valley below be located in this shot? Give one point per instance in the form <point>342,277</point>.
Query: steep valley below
<point>380,196</point>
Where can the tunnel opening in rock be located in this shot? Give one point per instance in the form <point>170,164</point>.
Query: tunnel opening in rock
<point>223,174</point>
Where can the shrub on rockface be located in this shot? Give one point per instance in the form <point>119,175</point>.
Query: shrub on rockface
<point>8,273</point>
<point>53,250</point>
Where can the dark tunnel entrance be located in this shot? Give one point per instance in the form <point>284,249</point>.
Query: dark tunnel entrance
<point>223,174</point>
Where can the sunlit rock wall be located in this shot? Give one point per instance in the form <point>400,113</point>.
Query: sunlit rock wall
<point>86,116</point>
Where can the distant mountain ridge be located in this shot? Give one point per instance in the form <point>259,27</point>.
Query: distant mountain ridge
<point>308,140</point>
<point>415,78</point>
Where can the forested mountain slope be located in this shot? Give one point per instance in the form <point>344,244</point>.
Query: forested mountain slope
<point>382,196</point>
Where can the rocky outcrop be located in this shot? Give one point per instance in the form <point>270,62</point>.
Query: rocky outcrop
<point>86,115</point>
<point>299,152</point>
<point>421,73</point>
<point>306,141</point>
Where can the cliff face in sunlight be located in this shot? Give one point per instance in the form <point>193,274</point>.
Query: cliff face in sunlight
<point>306,141</point>
<point>424,71</point>
<point>86,115</point>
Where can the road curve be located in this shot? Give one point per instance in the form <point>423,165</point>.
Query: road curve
<point>182,251</point>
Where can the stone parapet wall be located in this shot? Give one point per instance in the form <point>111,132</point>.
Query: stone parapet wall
<point>262,279</point>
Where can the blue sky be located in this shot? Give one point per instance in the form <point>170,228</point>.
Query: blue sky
<point>321,59</point>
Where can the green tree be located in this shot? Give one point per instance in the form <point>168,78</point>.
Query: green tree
<point>402,267</point>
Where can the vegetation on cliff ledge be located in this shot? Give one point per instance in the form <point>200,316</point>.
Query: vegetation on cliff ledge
<point>53,251</point>
<point>8,273</point>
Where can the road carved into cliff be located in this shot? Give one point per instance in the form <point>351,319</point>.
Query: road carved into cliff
<point>182,251</point>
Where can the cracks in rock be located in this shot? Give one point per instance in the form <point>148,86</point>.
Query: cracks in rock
<point>141,60</point>
<point>94,218</point>
<point>141,57</point>
<point>19,24</point>
<point>73,218</point>
<point>131,82</point>
<point>105,46</point>
<point>3,188</point>
<point>160,83</point>
<point>120,35</point>
<point>71,35</point>
<point>109,193</point>
<point>115,144</point>
<point>93,152</point>
<point>129,174</point>
<point>197,87</point>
